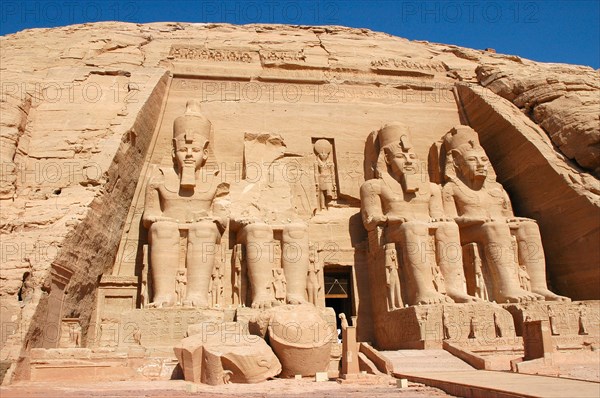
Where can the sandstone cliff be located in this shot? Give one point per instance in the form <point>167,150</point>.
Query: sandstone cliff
<point>80,105</point>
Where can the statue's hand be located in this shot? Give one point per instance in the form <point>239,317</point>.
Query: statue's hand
<point>442,219</point>
<point>154,219</point>
<point>465,221</point>
<point>220,221</point>
<point>397,219</point>
<point>518,220</point>
<point>377,220</point>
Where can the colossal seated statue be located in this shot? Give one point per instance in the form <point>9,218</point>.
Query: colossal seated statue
<point>181,203</point>
<point>482,209</point>
<point>407,206</point>
<point>266,224</point>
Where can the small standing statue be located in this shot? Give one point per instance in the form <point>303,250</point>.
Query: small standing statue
<point>524,279</point>
<point>392,279</point>
<point>472,327</point>
<point>445,325</point>
<point>279,285</point>
<point>552,321</point>
<point>313,285</point>
<point>497,325</point>
<point>583,329</point>
<point>237,276</point>
<point>216,285</point>
<point>144,287</point>
<point>343,321</point>
<point>480,288</point>
<point>324,174</point>
<point>137,336</point>
<point>180,286</point>
<point>75,335</point>
<point>438,279</point>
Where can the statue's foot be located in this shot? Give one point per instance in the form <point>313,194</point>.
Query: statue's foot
<point>262,302</point>
<point>295,299</point>
<point>162,301</point>
<point>196,301</point>
<point>461,297</point>
<point>432,298</point>
<point>518,296</point>
<point>548,295</point>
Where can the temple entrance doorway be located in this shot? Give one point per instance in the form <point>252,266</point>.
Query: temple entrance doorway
<point>338,291</point>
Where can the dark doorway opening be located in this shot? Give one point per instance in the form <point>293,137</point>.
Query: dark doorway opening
<point>338,291</point>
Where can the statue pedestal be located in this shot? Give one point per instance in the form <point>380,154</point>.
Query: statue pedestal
<point>427,326</point>
<point>565,319</point>
<point>152,327</point>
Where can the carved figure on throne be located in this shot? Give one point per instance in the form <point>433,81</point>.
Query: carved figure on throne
<point>313,284</point>
<point>279,285</point>
<point>392,279</point>
<point>553,322</point>
<point>524,279</point>
<point>583,321</point>
<point>144,288</point>
<point>406,205</point>
<point>180,286</point>
<point>182,203</point>
<point>216,286</point>
<point>324,174</point>
<point>480,287</point>
<point>482,209</point>
<point>237,274</point>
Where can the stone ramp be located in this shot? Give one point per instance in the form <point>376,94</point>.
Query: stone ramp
<point>425,361</point>
<point>483,383</point>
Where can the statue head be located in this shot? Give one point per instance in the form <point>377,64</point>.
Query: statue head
<point>191,133</point>
<point>322,149</point>
<point>394,140</point>
<point>470,160</point>
<point>400,157</point>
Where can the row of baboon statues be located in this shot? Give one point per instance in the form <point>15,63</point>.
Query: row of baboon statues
<point>406,211</point>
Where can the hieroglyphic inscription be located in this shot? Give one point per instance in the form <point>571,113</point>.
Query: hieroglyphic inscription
<point>254,92</point>
<point>277,56</point>
<point>408,64</point>
<point>208,54</point>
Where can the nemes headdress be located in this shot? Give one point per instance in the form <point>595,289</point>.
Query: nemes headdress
<point>459,137</point>
<point>193,124</point>
<point>395,133</point>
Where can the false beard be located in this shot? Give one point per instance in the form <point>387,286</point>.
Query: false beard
<point>188,176</point>
<point>411,182</point>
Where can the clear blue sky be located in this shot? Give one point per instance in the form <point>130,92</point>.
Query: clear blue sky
<point>550,31</point>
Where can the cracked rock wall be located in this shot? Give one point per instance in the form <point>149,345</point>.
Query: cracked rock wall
<point>80,103</point>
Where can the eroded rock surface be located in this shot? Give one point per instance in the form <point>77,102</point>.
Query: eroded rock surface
<point>81,105</point>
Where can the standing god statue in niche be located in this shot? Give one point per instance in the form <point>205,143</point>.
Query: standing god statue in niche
<point>482,209</point>
<point>407,205</point>
<point>182,203</point>
<point>324,174</point>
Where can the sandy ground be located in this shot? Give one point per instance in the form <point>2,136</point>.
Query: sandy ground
<point>179,388</point>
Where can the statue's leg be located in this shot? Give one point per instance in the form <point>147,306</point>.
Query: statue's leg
<point>294,257</point>
<point>531,254</point>
<point>311,292</point>
<point>257,239</point>
<point>390,296</point>
<point>397,291</point>
<point>495,238</point>
<point>414,236</point>
<point>202,247</point>
<point>164,259</point>
<point>449,258</point>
